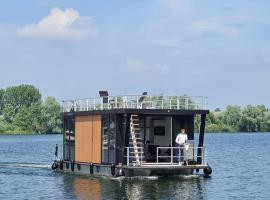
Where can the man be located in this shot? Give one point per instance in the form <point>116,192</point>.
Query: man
<point>180,141</point>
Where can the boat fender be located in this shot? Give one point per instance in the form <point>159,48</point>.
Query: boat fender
<point>120,172</point>
<point>72,165</point>
<point>91,168</point>
<point>54,165</point>
<point>61,164</point>
<point>79,167</point>
<point>67,165</point>
<point>113,169</point>
<point>207,171</point>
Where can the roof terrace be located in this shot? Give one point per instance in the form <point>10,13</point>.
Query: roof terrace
<point>105,102</point>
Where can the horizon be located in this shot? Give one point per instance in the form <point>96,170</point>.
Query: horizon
<point>71,50</point>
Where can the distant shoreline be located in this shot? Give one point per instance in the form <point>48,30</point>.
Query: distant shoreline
<point>62,134</point>
<point>30,133</point>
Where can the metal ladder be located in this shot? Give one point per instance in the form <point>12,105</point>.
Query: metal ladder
<point>135,139</point>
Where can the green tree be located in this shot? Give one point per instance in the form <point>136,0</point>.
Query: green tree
<point>9,113</point>
<point>22,95</point>
<point>51,116</point>
<point>24,119</point>
<point>232,116</point>
<point>28,119</point>
<point>252,118</point>
<point>2,92</point>
<point>266,123</point>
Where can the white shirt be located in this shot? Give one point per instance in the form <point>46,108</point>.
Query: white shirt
<point>181,138</point>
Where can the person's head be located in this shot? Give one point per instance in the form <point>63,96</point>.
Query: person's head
<point>182,130</point>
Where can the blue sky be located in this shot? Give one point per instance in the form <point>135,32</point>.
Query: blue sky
<point>71,49</point>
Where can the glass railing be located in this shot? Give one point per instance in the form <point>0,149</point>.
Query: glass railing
<point>136,102</point>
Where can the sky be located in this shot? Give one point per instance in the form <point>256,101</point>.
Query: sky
<point>72,49</point>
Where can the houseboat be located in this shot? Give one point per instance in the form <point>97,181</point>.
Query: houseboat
<point>133,135</point>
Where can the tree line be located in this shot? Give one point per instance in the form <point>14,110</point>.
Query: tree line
<point>237,119</point>
<point>23,111</point>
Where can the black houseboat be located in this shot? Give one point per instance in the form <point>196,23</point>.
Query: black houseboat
<point>133,135</point>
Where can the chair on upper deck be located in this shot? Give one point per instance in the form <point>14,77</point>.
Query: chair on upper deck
<point>141,102</point>
<point>105,97</point>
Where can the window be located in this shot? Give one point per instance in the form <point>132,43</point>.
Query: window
<point>108,138</point>
<point>159,130</point>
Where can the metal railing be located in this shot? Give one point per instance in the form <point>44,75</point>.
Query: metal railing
<point>131,157</point>
<point>174,156</point>
<point>136,102</point>
<point>178,155</point>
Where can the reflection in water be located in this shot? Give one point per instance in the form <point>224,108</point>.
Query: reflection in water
<point>183,187</point>
<point>87,188</point>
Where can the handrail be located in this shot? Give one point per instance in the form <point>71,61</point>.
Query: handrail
<point>192,150</point>
<point>134,102</point>
<point>189,154</point>
<point>129,157</point>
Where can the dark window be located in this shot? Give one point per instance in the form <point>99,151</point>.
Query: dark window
<point>69,138</point>
<point>159,130</point>
<point>108,138</point>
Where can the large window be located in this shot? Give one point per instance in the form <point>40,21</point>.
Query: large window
<point>69,138</point>
<point>108,138</point>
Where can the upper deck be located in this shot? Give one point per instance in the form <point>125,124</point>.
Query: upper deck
<point>145,102</point>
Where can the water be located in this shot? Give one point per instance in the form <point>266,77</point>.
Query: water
<point>240,163</point>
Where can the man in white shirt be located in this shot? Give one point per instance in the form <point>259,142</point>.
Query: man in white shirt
<point>180,141</point>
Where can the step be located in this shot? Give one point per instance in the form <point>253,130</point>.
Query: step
<point>136,153</point>
<point>136,142</point>
<point>135,139</point>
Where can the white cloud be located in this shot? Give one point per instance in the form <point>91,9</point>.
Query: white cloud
<point>134,65</point>
<point>176,21</point>
<point>215,27</point>
<point>61,24</point>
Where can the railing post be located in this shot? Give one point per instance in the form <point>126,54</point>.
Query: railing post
<point>87,104</point>
<point>127,156</point>
<point>171,155</point>
<point>177,104</point>
<point>186,102</point>
<point>157,155</point>
<point>101,103</point>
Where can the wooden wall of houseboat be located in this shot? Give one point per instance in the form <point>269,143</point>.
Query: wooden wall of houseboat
<point>88,139</point>
<point>96,145</point>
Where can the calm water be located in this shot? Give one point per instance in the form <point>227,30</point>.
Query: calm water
<point>240,162</point>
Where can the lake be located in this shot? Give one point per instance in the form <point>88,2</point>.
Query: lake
<point>240,163</point>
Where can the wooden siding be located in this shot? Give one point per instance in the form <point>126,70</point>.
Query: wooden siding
<point>88,139</point>
<point>96,145</point>
<point>83,138</point>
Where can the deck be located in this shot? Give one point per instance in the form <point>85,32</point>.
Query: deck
<point>153,102</point>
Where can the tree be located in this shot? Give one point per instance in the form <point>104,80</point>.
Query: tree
<point>253,118</point>
<point>9,113</point>
<point>28,119</point>
<point>232,117</point>
<point>2,92</point>
<point>266,123</point>
<point>51,116</point>
<point>24,119</point>
<point>22,95</point>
